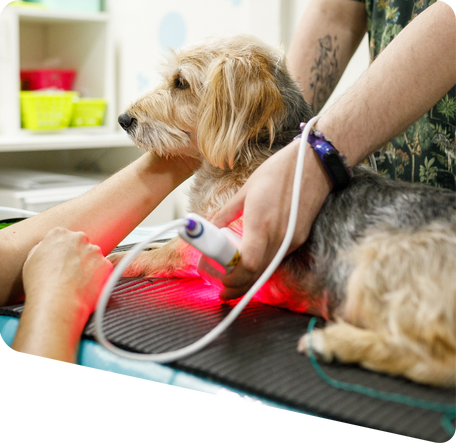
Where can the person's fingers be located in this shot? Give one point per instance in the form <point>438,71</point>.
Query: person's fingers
<point>108,265</point>
<point>231,211</point>
<point>95,249</point>
<point>32,251</point>
<point>80,237</point>
<point>104,270</point>
<point>233,293</point>
<point>246,274</point>
<point>255,257</point>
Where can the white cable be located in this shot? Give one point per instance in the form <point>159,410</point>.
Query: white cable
<point>168,357</point>
<point>16,211</point>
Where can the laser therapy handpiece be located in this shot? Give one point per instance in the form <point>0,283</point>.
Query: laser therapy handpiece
<point>221,245</point>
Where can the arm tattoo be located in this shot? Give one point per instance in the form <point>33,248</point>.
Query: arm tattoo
<point>324,72</point>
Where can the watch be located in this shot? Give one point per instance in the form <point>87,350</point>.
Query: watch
<point>334,162</point>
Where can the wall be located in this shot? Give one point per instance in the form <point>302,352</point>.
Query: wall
<point>144,30</point>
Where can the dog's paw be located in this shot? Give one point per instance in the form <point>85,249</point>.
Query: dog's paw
<point>154,246</point>
<point>172,259</point>
<point>137,268</point>
<point>319,345</point>
<point>115,257</point>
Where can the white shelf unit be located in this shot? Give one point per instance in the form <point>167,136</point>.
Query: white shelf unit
<point>84,42</point>
<point>68,139</point>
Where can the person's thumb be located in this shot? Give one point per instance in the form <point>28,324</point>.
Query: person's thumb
<point>231,211</point>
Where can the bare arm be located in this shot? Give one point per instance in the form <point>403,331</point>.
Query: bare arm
<point>405,81</point>
<point>326,39</point>
<point>412,74</point>
<point>106,214</point>
<point>63,278</point>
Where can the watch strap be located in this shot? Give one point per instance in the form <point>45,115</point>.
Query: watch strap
<point>334,162</point>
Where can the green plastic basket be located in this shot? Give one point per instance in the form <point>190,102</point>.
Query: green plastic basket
<point>89,112</point>
<point>45,111</point>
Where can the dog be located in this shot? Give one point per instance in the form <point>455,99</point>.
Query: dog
<point>380,259</point>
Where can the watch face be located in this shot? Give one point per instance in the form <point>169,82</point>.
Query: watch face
<point>337,168</point>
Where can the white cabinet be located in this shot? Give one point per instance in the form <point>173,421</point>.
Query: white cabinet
<point>84,42</point>
<point>30,38</point>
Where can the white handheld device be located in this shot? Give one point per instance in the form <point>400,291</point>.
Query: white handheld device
<point>222,245</point>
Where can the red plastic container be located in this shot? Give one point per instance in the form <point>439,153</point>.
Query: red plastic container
<point>47,79</point>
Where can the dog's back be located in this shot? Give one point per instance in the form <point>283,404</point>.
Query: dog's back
<point>383,254</point>
<point>371,203</point>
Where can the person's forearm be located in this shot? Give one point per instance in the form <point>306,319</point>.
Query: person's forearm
<point>106,214</point>
<point>327,37</point>
<point>51,328</point>
<point>403,83</point>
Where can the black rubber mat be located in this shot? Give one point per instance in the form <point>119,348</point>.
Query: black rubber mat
<point>257,355</point>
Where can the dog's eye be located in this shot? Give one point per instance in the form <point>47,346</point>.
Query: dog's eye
<point>181,83</point>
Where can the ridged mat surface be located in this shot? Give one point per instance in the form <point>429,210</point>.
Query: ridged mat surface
<point>257,354</point>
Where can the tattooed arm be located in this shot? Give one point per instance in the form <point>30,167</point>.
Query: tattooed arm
<point>403,82</point>
<point>326,39</point>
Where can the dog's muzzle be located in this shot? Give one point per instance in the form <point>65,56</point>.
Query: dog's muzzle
<point>126,122</point>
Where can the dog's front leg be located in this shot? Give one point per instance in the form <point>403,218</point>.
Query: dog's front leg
<point>346,343</point>
<point>174,259</point>
<point>378,351</point>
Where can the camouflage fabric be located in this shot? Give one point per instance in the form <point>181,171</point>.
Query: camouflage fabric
<point>426,151</point>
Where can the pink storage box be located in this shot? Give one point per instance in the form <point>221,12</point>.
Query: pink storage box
<point>47,79</point>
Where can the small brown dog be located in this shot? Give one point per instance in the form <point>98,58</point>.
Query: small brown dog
<point>399,314</point>
<point>381,256</point>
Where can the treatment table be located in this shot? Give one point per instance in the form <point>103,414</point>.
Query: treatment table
<point>255,358</point>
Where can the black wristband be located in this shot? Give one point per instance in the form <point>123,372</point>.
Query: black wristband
<point>334,162</point>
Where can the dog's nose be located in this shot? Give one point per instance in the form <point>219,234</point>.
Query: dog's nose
<point>125,121</point>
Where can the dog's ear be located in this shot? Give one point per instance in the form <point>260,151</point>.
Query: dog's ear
<point>240,103</point>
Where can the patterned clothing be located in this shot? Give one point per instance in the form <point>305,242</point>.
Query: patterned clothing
<point>426,151</point>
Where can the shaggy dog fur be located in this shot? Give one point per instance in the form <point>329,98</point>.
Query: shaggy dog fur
<point>381,256</point>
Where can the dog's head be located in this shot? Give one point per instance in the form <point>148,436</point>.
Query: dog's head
<point>222,100</point>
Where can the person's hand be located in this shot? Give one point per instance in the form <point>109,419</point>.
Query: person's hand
<point>265,201</point>
<point>63,277</point>
<point>65,268</point>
